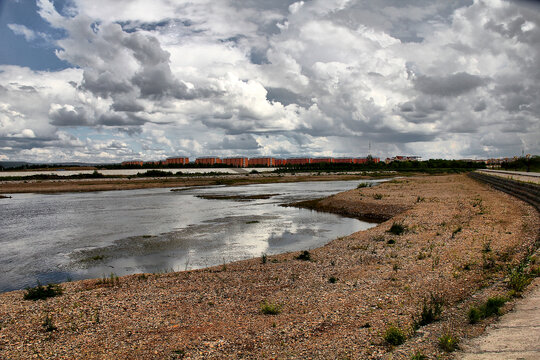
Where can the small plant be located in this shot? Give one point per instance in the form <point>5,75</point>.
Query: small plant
<point>97,257</point>
<point>112,280</point>
<point>448,342</point>
<point>431,311</point>
<point>363,185</point>
<point>264,258</point>
<point>394,336</point>
<point>269,308</point>
<point>419,356</point>
<point>41,292</point>
<point>332,279</point>
<point>377,196</point>
<point>474,315</point>
<point>397,229</point>
<point>391,242</point>
<point>48,324</point>
<point>518,280</point>
<point>304,255</point>
<point>419,199</point>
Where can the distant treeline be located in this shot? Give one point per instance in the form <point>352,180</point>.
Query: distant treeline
<point>523,164</point>
<point>429,166</point>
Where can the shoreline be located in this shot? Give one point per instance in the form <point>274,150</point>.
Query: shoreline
<point>108,184</point>
<point>216,312</point>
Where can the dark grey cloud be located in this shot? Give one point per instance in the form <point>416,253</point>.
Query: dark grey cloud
<point>240,142</point>
<point>450,85</point>
<point>120,119</point>
<point>104,83</point>
<point>66,116</point>
<point>286,97</point>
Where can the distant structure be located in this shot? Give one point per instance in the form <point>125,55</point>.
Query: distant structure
<point>242,161</point>
<point>402,158</point>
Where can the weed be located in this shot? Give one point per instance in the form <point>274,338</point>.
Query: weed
<point>394,336</point>
<point>448,342</point>
<point>474,315</point>
<point>488,261</point>
<point>41,292</point>
<point>304,255</point>
<point>395,267</point>
<point>178,354</point>
<point>269,308</point>
<point>363,185</point>
<point>48,324</point>
<point>491,307</point>
<point>518,280</point>
<point>332,279</point>
<point>112,280</point>
<point>431,311</point>
<point>391,241</point>
<point>264,258</point>
<point>421,255</point>
<point>97,257</point>
<point>397,229</point>
<point>487,247</point>
<point>377,196</point>
<point>419,356</point>
<point>419,199</point>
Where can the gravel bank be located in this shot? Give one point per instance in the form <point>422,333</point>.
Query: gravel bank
<point>460,238</point>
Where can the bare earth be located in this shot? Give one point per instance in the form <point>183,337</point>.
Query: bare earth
<point>461,238</point>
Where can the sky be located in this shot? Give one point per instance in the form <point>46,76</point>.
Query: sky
<point>108,81</point>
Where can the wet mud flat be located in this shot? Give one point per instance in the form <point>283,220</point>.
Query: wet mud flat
<point>458,241</point>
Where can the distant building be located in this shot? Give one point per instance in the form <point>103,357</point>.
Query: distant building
<point>328,160</point>
<point>208,161</point>
<point>132,163</point>
<point>403,158</point>
<point>298,161</point>
<point>236,161</point>
<point>262,161</point>
<point>177,161</point>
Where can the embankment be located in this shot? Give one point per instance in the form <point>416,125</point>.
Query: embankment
<point>459,239</point>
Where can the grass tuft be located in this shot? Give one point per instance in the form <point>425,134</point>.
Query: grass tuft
<point>269,308</point>
<point>394,336</point>
<point>397,229</point>
<point>448,342</point>
<point>304,255</point>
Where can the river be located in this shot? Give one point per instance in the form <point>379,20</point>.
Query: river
<point>54,238</point>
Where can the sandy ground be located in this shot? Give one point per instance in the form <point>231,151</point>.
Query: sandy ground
<point>461,238</point>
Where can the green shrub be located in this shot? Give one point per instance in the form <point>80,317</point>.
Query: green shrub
<point>394,336</point>
<point>474,315</point>
<point>448,343</point>
<point>332,279</point>
<point>378,196</point>
<point>518,280</point>
<point>264,258</point>
<point>41,292</point>
<point>397,229</point>
<point>269,308</point>
<point>491,307</point>
<point>363,185</point>
<point>304,255</point>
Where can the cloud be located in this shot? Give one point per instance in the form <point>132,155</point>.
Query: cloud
<point>317,77</point>
<point>29,35</point>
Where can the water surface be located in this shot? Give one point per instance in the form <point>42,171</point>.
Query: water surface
<point>52,238</point>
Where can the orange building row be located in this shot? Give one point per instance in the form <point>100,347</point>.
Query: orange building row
<point>260,161</point>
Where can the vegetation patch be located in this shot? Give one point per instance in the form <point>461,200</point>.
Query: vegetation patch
<point>397,229</point>
<point>431,312</point>
<point>448,342</point>
<point>491,307</point>
<point>270,308</point>
<point>41,292</point>
<point>394,336</point>
<point>304,255</point>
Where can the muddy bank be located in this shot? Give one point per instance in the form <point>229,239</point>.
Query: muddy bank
<point>458,242</point>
